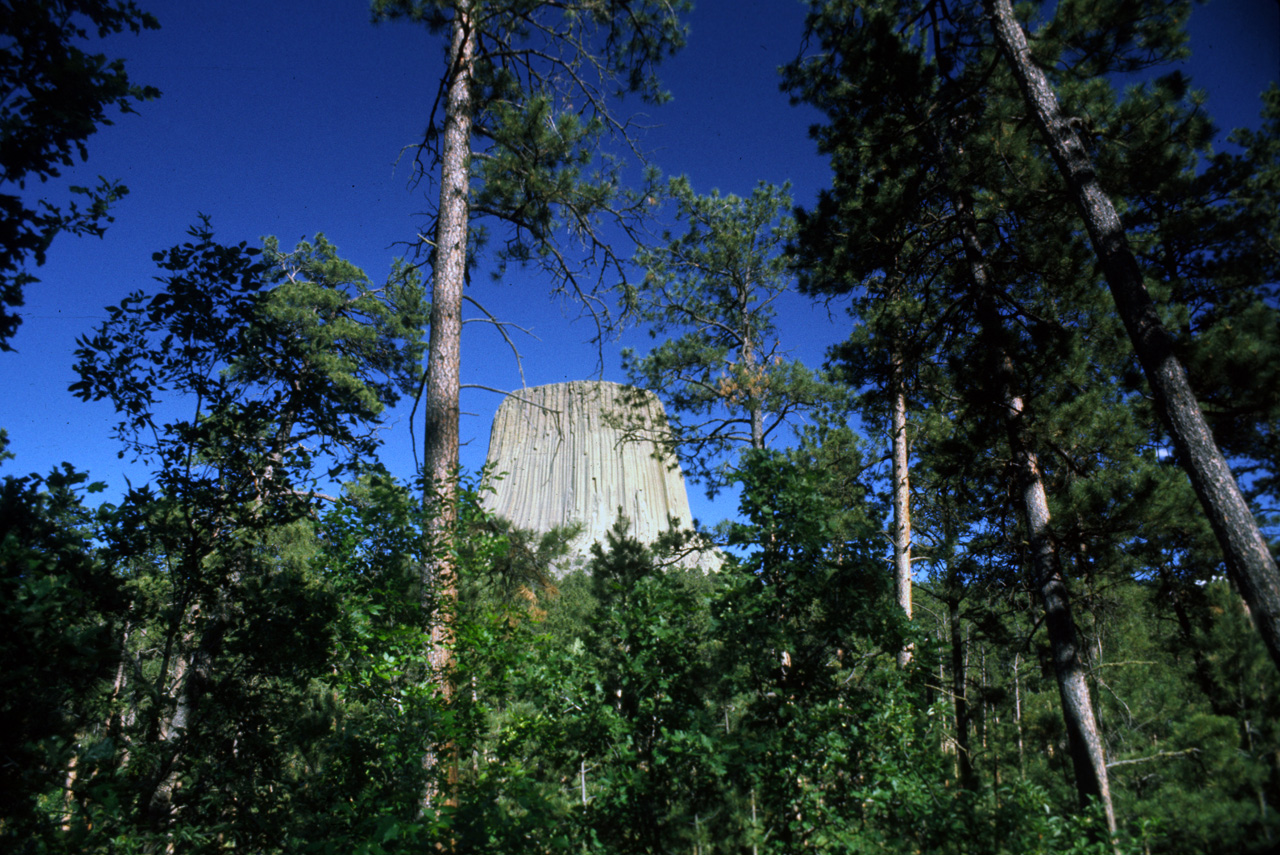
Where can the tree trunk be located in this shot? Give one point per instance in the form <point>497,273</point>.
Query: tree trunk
<point>1087,756</point>
<point>753,372</point>
<point>1247,556</point>
<point>440,439</point>
<point>901,499</point>
<point>449,273</point>
<point>959,690</point>
<point>193,676</point>
<point>1017,713</point>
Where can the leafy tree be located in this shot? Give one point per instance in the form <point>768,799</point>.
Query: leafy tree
<point>286,361</point>
<point>945,178</point>
<point>806,624</point>
<point>61,608</point>
<point>54,94</point>
<point>721,371</point>
<point>287,358</point>
<point>362,774</point>
<point>646,769</point>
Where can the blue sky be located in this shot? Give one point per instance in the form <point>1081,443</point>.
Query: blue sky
<point>287,118</point>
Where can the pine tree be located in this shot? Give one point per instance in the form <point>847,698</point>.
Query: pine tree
<point>722,372</point>
<point>920,213</point>
<point>528,94</point>
<point>1248,556</point>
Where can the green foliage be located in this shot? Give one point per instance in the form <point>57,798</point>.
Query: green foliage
<point>56,94</point>
<point>755,707</point>
<point>1226,284</point>
<point>364,774</point>
<point>219,662</point>
<point>547,80</point>
<point>935,175</point>
<point>712,292</point>
<point>60,610</point>
<point>630,729</point>
<point>285,358</point>
<point>623,48</point>
<point>1190,719</point>
<point>226,628</point>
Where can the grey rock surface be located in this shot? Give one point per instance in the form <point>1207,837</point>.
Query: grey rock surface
<point>563,457</point>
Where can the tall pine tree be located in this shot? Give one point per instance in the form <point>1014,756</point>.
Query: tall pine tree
<point>527,98</point>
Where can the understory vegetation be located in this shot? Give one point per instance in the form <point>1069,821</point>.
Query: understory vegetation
<point>273,694</point>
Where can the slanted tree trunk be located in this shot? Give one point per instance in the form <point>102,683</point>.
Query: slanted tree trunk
<point>1087,756</point>
<point>440,440</point>
<point>1088,759</point>
<point>1248,559</point>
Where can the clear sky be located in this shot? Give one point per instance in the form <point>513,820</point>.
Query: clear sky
<point>286,118</point>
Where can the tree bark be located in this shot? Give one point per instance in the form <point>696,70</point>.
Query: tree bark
<point>1248,558</point>
<point>1088,759</point>
<point>754,372</point>
<point>1087,756</point>
<point>1017,713</point>
<point>440,439</point>
<point>959,689</point>
<point>901,499</point>
<point>449,267</point>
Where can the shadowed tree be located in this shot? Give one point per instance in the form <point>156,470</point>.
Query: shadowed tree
<point>286,361</point>
<point>1249,558</point>
<point>54,95</point>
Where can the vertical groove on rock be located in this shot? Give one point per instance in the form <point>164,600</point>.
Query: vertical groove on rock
<point>563,458</point>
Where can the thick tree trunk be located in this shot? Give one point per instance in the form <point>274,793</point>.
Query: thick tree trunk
<point>757,426</point>
<point>440,440</point>
<point>1248,559</point>
<point>901,500</point>
<point>450,269</point>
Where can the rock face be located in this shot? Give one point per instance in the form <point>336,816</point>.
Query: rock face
<point>564,458</point>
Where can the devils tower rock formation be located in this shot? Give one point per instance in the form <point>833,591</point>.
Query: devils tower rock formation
<point>564,458</point>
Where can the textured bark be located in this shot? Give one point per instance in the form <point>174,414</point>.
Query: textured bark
<point>748,353</point>
<point>565,457</point>
<point>1248,559</point>
<point>901,500</point>
<point>1087,756</point>
<point>449,271</point>
<point>440,439</point>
